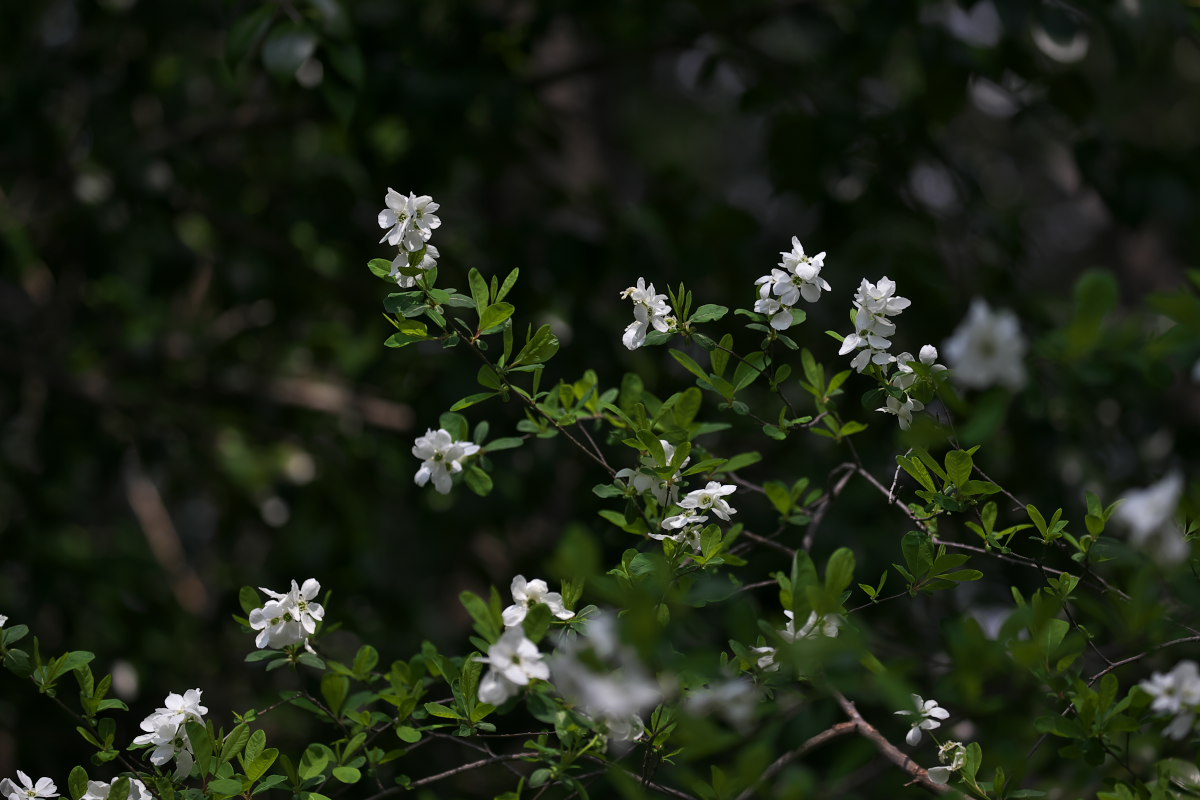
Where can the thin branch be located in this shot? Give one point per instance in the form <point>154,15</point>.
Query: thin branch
<point>840,729</point>
<point>1113,665</point>
<point>760,585</point>
<point>483,762</point>
<point>754,537</point>
<point>887,749</point>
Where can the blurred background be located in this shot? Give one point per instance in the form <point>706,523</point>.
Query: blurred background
<point>194,393</point>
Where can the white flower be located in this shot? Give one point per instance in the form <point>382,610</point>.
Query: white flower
<point>424,259</point>
<point>987,349</point>
<point>515,661</point>
<point>874,303</point>
<point>928,716</point>
<point>442,456</point>
<point>1149,515</point>
<point>97,790</point>
<point>527,593</point>
<point>806,271</point>
<point>902,409</point>
<point>289,618</point>
<point>1178,693</point>
<point>766,658</point>
<point>733,700</point>
<point>166,730</point>
<point>410,220</point>
<point>30,790</point>
<point>423,217</point>
<point>661,489</point>
<point>710,498</point>
<point>650,310</point>
<point>827,626</point>
<point>954,755</point>
<point>689,518</point>
<point>3,621</point>
<point>615,696</point>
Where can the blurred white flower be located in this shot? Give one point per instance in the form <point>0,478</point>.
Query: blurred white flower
<point>1175,693</point>
<point>734,701</point>
<point>987,349</point>
<point>826,625</point>
<point>1149,515</point>
<point>98,790</point>
<point>515,661</point>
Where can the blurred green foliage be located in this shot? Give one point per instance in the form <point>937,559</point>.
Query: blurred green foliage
<point>194,394</point>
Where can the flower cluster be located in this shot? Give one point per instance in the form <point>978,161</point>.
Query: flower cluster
<point>926,717</point>
<point>28,790</point>
<point>798,275</point>
<point>987,349</point>
<point>662,490</point>
<point>903,379</point>
<point>1149,514</point>
<point>650,310</point>
<point>695,507</point>
<point>441,456</point>
<point>410,222</point>
<point>1175,693</point>
<point>874,306</point>
<point>613,697</point>
<point>527,593</point>
<point>288,619</point>
<point>515,661</point>
<point>166,731</point>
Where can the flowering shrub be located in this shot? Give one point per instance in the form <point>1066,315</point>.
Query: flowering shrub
<point>598,680</point>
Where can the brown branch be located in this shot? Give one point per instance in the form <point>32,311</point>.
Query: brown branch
<point>840,729</point>
<point>887,749</point>
<point>1113,665</point>
<point>754,537</point>
<point>483,762</point>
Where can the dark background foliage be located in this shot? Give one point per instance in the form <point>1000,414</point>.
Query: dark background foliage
<point>194,395</point>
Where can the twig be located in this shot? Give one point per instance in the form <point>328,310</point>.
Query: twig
<point>840,729</point>
<point>754,537</point>
<point>886,748</point>
<point>1114,664</point>
<point>483,762</point>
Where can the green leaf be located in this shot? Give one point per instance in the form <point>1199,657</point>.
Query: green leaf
<point>202,745</point>
<point>494,315</point>
<point>709,313</point>
<point>229,786</point>
<point>347,774</point>
<point>689,364</point>
<point>403,339</point>
<point>958,466</point>
<point>254,747</point>
<point>540,348</point>
<point>472,399</point>
<point>741,461</point>
<point>312,764</point>
<point>77,782</point>
<point>443,711</point>
<point>479,290</point>
<point>839,572</point>
<point>719,357</point>
<point>248,599</point>
<point>234,741</point>
<point>477,480</point>
<point>120,789</point>
<point>508,284</point>
<point>259,766</point>
<point>504,443</point>
<point>407,734</point>
<point>334,689</point>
